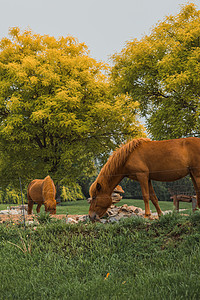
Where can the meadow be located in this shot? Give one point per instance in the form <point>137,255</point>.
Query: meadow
<point>133,259</point>
<point>81,207</point>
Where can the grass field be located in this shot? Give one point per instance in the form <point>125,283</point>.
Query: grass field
<point>133,259</point>
<point>81,207</point>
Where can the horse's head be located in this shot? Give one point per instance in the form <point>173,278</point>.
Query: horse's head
<point>50,206</point>
<point>100,202</point>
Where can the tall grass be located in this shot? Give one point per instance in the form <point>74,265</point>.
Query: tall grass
<point>132,259</point>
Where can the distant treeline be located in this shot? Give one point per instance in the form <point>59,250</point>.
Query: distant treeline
<point>163,190</point>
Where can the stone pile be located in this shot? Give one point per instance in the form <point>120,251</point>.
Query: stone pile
<point>15,210</point>
<point>116,194</point>
<point>114,213</point>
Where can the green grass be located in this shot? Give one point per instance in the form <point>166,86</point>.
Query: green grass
<point>81,207</point>
<point>145,260</point>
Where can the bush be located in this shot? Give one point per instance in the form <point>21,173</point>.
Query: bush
<point>11,195</point>
<point>71,193</point>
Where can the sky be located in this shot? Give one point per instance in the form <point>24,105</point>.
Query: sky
<point>103,25</point>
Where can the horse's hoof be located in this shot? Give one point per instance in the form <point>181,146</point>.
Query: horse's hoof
<point>147,216</point>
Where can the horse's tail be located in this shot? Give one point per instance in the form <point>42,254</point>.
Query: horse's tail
<point>48,190</point>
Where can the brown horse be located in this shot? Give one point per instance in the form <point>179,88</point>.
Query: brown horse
<point>42,191</point>
<point>144,160</point>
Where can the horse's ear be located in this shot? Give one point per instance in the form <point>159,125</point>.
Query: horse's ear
<point>98,187</point>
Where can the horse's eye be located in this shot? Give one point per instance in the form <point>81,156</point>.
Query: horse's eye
<point>94,197</point>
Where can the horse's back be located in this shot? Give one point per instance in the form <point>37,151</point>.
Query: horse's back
<point>49,189</point>
<point>166,160</point>
<point>183,149</point>
<point>193,148</point>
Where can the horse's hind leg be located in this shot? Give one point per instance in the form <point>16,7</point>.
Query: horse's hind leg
<point>196,182</point>
<point>154,199</point>
<point>38,208</point>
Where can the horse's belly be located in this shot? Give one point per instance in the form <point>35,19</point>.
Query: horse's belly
<point>168,175</point>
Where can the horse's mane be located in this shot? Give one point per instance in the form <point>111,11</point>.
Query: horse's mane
<point>118,159</point>
<point>48,189</point>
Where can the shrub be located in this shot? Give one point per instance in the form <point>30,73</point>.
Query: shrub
<point>71,193</point>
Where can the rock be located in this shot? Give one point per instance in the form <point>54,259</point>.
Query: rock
<point>104,221</point>
<point>113,219</point>
<point>10,212</point>
<point>71,220</point>
<point>20,207</point>
<point>133,215</point>
<point>31,222</point>
<point>4,212</point>
<point>135,209</point>
<point>83,218</point>
<point>125,207</point>
<point>118,189</point>
<point>112,211</point>
<point>16,211</point>
<point>121,215</point>
<point>116,197</point>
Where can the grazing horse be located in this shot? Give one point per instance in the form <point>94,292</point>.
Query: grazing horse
<point>144,160</point>
<point>42,191</point>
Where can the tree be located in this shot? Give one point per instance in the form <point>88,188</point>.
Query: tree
<point>161,72</point>
<point>57,109</point>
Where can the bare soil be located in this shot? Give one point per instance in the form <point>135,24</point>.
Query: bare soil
<point>19,217</point>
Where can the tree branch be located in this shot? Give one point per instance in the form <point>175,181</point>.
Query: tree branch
<point>37,139</point>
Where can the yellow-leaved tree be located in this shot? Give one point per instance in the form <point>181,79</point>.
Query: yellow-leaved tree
<point>161,72</point>
<point>57,109</point>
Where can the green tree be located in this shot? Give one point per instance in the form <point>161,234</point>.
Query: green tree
<point>57,110</point>
<point>161,72</point>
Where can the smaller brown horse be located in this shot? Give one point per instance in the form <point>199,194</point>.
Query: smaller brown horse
<point>42,191</point>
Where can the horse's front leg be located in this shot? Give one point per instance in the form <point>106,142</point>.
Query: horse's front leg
<point>38,207</point>
<point>154,199</point>
<point>143,180</point>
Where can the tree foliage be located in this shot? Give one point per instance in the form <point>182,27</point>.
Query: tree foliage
<point>71,193</point>
<point>57,109</point>
<point>11,195</point>
<point>161,72</point>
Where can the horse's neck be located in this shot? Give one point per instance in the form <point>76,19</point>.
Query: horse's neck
<point>111,182</point>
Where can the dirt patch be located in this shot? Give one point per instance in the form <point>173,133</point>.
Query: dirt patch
<point>19,218</point>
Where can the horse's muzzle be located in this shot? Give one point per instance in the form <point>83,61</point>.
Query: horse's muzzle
<point>94,217</point>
